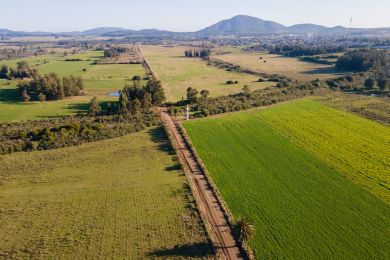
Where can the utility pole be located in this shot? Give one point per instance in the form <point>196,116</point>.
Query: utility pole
<point>188,113</point>
<point>349,32</point>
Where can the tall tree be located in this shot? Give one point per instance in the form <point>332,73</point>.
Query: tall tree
<point>192,94</point>
<point>94,107</point>
<point>4,72</point>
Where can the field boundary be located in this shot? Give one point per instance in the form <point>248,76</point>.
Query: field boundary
<point>213,213</point>
<point>243,246</point>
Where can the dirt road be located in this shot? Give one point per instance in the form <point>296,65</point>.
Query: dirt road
<point>208,203</point>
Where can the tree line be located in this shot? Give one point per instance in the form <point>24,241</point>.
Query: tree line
<point>115,51</point>
<point>50,87</point>
<point>198,53</point>
<point>363,60</point>
<point>371,69</point>
<point>133,100</point>
<point>203,105</point>
<point>22,70</point>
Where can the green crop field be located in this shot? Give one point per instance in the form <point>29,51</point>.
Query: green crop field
<point>177,73</point>
<point>276,64</point>
<point>124,198</point>
<point>356,147</point>
<point>99,80</point>
<point>305,202</point>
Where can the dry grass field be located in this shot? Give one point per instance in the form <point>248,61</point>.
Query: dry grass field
<point>124,198</point>
<point>177,73</point>
<point>276,64</point>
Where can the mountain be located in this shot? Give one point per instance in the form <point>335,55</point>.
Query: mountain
<point>306,28</point>
<point>243,24</point>
<point>238,25</point>
<point>103,30</point>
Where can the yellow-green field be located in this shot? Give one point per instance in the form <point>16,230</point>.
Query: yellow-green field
<point>177,73</point>
<point>313,180</point>
<point>99,80</point>
<point>124,198</point>
<point>354,146</point>
<point>375,108</point>
<point>276,64</point>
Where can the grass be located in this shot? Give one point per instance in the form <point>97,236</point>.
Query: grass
<point>301,207</point>
<point>177,73</point>
<point>124,198</point>
<point>375,108</point>
<point>354,146</point>
<point>99,80</point>
<point>276,64</point>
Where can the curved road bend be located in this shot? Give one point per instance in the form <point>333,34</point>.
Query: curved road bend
<point>207,201</point>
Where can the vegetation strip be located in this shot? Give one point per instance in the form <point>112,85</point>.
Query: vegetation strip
<point>207,201</point>
<point>299,205</point>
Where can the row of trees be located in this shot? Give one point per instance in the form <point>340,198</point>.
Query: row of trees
<point>50,87</point>
<point>136,99</point>
<point>200,53</point>
<point>115,51</point>
<point>363,60</point>
<point>298,50</point>
<point>23,70</point>
<point>373,71</point>
<point>205,105</point>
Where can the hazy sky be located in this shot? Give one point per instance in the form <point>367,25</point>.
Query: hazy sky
<point>184,15</point>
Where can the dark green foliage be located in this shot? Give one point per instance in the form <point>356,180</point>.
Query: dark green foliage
<point>22,71</point>
<point>52,87</point>
<point>4,72</point>
<point>70,131</point>
<point>369,83</point>
<point>192,95</point>
<point>199,53</point>
<point>137,77</point>
<point>231,82</point>
<point>135,99</point>
<point>363,60</point>
<point>114,52</point>
<point>94,107</point>
<point>243,230</point>
<point>247,99</point>
<point>297,50</point>
<point>156,91</point>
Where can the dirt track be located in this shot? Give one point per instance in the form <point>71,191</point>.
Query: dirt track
<point>208,203</point>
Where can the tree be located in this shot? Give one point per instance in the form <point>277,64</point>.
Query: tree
<point>4,72</point>
<point>94,107</point>
<point>246,90</point>
<point>26,98</point>
<point>123,100</point>
<point>42,97</point>
<point>369,83</point>
<point>382,82</point>
<point>156,90</point>
<point>146,101</point>
<point>192,95</point>
<point>205,94</point>
<point>244,230</point>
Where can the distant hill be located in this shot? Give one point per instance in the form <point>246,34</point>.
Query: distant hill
<point>238,25</point>
<point>243,24</point>
<point>306,28</point>
<point>103,30</point>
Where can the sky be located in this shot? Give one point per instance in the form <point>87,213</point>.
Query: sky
<point>184,15</point>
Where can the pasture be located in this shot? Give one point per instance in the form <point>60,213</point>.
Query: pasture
<point>275,167</point>
<point>124,198</point>
<point>177,73</point>
<point>99,80</point>
<point>276,64</point>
